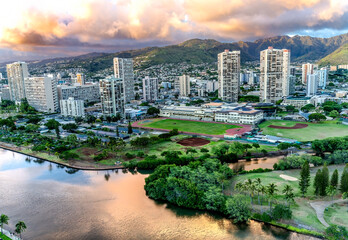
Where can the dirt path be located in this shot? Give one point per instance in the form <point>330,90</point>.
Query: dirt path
<point>319,208</point>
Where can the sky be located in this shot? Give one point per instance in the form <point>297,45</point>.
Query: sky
<point>38,29</point>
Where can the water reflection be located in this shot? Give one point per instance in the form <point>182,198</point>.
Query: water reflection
<point>63,203</point>
<point>255,163</point>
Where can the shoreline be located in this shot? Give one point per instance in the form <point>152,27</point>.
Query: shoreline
<point>87,168</point>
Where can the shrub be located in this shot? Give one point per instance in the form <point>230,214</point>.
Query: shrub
<point>129,155</point>
<point>281,211</point>
<point>68,155</point>
<point>238,209</point>
<point>140,154</point>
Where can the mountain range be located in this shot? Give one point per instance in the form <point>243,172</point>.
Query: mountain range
<point>303,48</point>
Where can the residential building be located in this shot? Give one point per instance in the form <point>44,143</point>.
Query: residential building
<point>72,108</point>
<point>41,93</point>
<point>123,68</point>
<point>89,93</point>
<point>80,78</point>
<point>229,75</point>
<point>212,86</point>
<point>312,84</point>
<point>16,73</point>
<point>150,89</point>
<point>292,84</point>
<point>112,96</point>
<point>5,94</point>
<point>184,86</point>
<point>323,75</point>
<point>307,68</point>
<point>274,77</point>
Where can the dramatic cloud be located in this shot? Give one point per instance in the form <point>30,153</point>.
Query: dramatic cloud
<point>32,25</point>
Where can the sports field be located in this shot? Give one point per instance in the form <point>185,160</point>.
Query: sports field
<point>189,126</point>
<point>311,132</point>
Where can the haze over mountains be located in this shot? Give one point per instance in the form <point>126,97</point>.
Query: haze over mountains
<point>303,48</point>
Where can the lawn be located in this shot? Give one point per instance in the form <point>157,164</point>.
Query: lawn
<point>337,214</point>
<point>4,237</point>
<point>310,133</point>
<point>303,213</point>
<point>191,126</point>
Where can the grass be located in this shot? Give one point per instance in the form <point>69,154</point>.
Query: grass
<point>337,214</point>
<point>313,131</point>
<point>191,126</point>
<point>303,213</point>
<point>4,237</point>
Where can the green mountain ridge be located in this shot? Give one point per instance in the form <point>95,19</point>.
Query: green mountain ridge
<point>195,51</point>
<point>340,56</point>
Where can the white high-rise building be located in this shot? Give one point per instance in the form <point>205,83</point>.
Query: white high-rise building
<point>1,77</point>
<point>123,68</point>
<point>307,68</point>
<point>312,84</point>
<point>111,96</point>
<point>229,75</point>
<point>89,93</point>
<point>72,108</point>
<point>212,86</point>
<point>185,87</point>
<point>150,89</point>
<point>275,73</point>
<point>322,77</point>
<point>16,73</point>
<point>41,93</point>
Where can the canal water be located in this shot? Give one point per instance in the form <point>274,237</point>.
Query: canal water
<point>59,203</point>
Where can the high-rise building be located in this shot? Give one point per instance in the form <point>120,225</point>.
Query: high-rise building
<point>89,93</point>
<point>307,68</point>
<point>229,75</point>
<point>292,83</point>
<point>184,86</point>
<point>80,78</point>
<point>41,93</point>
<point>72,108</point>
<point>150,89</point>
<point>312,84</point>
<point>16,73</point>
<point>323,74</point>
<point>212,86</point>
<point>1,77</point>
<point>123,68</point>
<point>111,96</point>
<point>275,72</point>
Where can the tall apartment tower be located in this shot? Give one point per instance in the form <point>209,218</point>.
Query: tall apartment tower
<point>16,73</point>
<point>123,68</point>
<point>323,75</point>
<point>80,78</point>
<point>275,74</point>
<point>111,96</point>
<point>41,93</point>
<point>184,85</point>
<point>307,69</point>
<point>150,89</point>
<point>229,75</point>
<point>312,84</point>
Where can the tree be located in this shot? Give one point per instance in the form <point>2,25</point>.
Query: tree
<point>153,111</point>
<point>317,117</point>
<point>90,119</point>
<point>271,191</point>
<point>70,127</point>
<point>290,108</point>
<point>78,120</point>
<point>237,209</point>
<point>324,180</point>
<point>305,178</point>
<point>191,151</point>
<point>256,145</point>
<point>308,107</point>
<point>117,132</point>
<point>334,179</point>
<point>317,182</point>
<point>334,114</point>
<point>345,196</point>
<point>344,180</point>
<point>3,220</point>
<point>204,150</point>
<point>52,124</point>
<point>20,227</point>
<point>130,129</point>
<point>289,194</point>
<point>331,191</point>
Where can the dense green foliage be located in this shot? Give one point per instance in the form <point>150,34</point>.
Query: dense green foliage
<point>330,145</point>
<point>281,211</point>
<point>335,232</point>
<point>344,180</point>
<point>296,162</point>
<point>305,178</point>
<point>249,98</point>
<point>198,185</point>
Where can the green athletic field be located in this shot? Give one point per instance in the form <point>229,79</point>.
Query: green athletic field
<point>189,126</point>
<point>313,131</point>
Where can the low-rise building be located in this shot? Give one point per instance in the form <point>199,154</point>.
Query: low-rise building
<point>72,108</point>
<point>297,102</point>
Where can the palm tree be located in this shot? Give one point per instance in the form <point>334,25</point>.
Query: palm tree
<point>20,227</point>
<point>289,194</point>
<point>258,188</point>
<point>3,220</point>
<point>251,188</point>
<point>271,191</point>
